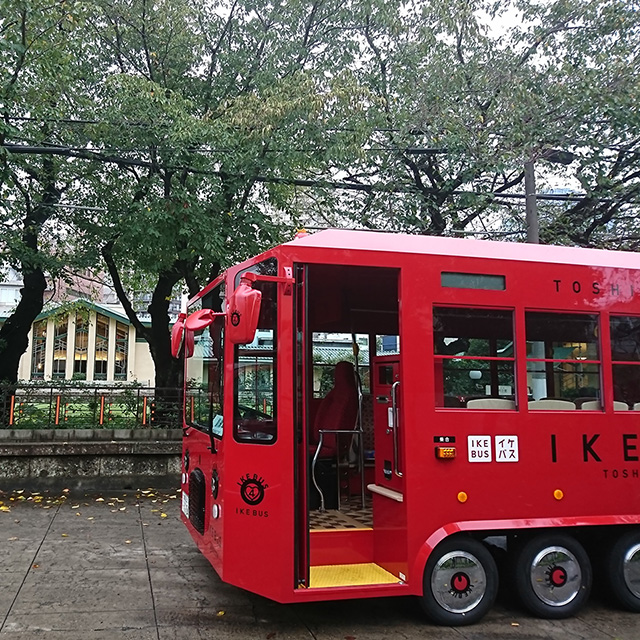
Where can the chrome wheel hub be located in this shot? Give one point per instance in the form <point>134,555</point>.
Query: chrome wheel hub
<point>556,576</point>
<point>458,582</point>
<point>631,570</point>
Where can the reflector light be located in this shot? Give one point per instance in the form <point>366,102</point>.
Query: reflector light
<point>445,453</point>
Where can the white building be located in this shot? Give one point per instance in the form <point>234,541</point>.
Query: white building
<point>85,341</point>
<point>81,340</point>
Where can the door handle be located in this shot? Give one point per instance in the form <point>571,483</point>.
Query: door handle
<point>395,422</point>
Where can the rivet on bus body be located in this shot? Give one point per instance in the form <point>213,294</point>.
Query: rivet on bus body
<point>462,497</point>
<point>558,494</point>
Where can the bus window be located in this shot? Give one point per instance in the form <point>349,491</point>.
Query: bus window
<point>203,389</point>
<point>331,348</point>
<point>474,357</point>
<point>563,358</point>
<point>625,354</point>
<point>255,369</point>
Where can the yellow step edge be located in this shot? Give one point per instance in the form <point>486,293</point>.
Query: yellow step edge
<point>349,575</point>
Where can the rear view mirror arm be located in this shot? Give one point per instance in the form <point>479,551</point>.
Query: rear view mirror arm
<point>287,279</point>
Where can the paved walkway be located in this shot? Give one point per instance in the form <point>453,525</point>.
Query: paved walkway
<point>122,567</point>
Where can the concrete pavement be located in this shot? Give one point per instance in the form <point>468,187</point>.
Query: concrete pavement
<point>120,566</point>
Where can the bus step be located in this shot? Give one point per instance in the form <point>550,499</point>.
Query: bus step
<point>350,575</point>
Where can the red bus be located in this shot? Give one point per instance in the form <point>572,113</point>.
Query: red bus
<point>372,414</point>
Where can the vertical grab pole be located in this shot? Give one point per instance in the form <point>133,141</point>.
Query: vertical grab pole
<point>394,412</point>
<point>359,428</point>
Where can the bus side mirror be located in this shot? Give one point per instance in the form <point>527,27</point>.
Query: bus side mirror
<point>243,312</point>
<point>180,333</point>
<point>185,327</point>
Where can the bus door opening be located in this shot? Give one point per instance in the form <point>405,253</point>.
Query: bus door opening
<point>351,314</point>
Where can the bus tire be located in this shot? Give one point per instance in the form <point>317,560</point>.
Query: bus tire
<point>460,582</point>
<point>622,571</point>
<point>552,576</point>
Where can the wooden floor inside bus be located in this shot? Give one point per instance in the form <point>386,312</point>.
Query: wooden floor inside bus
<point>351,515</point>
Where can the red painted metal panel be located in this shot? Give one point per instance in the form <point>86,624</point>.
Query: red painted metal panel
<point>341,547</point>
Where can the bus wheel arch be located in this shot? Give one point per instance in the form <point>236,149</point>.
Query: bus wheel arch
<point>552,575</point>
<point>460,582</point>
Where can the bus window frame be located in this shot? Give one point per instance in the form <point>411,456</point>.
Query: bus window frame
<point>617,364</point>
<point>263,286</point>
<point>442,358</point>
<point>599,363</point>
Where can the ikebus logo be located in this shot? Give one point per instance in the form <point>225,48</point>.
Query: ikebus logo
<point>252,488</point>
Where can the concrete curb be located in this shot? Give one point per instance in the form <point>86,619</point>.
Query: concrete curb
<point>89,458</point>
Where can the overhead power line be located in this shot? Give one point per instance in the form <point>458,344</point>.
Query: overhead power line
<point>296,182</point>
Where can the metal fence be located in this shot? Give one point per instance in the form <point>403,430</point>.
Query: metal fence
<point>89,407</point>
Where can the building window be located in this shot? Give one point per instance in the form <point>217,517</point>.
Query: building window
<point>102,348</point>
<point>474,358</point>
<point>122,349</point>
<point>625,356</point>
<point>38,349</point>
<point>81,347</point>
<point>563,358</point>
<point>60,337</point>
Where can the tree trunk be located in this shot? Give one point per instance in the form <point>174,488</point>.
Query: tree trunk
<point>14,334</point>
<point>169,370</point>
<point>14,337</point>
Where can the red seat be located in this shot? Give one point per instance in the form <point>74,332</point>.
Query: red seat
<point>337,411</point>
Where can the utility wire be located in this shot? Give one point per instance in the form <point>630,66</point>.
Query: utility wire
<point>298,182</point>
<point>413,132</point>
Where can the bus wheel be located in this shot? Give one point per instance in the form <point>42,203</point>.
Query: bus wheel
<point>553,576</point>
<point>460,582</point>
<point>623,570</point>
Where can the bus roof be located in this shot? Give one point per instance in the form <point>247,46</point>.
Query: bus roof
<point>435,245</point>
